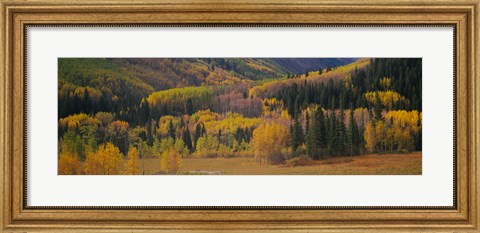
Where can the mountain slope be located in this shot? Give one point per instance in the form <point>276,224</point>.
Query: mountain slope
<point>338,73</point>
<point>113,84</point>
<point>301,65</point>
<point>165,73</point>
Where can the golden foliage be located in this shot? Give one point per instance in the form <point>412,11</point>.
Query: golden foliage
<point>385,83</point>
<point>206,147</point>
<point>405,120</point>
<point>181,148</point>
<point>118,125</point>
<point>397,130</point>
<point>223,77</point>
<point>387,98</point>
<point>271,105</point>
<point>132,165</point>
<point>107,160</point>
<point>77,120</point>
<point>405,125</point>
<point>176,97</point>
<point>164,124</point>
<point>269,140</point>
<point>92,92</point>
<point>203,116</point>
<point>171,161</point>
<point>230,123</point>
<point>68,164</point>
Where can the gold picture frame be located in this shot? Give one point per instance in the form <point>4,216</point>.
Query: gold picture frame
<point>464,15</point>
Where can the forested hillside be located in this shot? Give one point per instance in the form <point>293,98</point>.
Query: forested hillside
<point>114,113</point>
<point>112,85</point>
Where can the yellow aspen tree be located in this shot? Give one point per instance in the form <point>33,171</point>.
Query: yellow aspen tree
<point>259,143</point>
<point>133,163</point>
<point>386,82</point>
<point>269,140</point>
<point>404,126</point>
<point>171,161</point>
<point>114,159</point>
<point>68,164</point>
<point>92,165</point>
<point>381,134</point>
<point>106,161</point>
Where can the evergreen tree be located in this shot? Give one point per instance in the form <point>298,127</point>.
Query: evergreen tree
<point>187,139</point>
<point>189,107</point>
<point>352,132</point>
<point>204,131</point>
<point>378,108</point>
<point>150,135</point>
<point>171,131</point>
<point>293,139</point>
<point>322,132</point>
<point>317,136</point>
<point>197,135</point>
<point>333,136</point>
<point>310,138</point>
<point>418,136</point>
<point>307,125</point>
<point>182,123</point>
<point>341,131</point>
<point>297,133</point>
<point>144,112</point>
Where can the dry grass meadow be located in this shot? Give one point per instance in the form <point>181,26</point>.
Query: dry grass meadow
<point>371,164</point>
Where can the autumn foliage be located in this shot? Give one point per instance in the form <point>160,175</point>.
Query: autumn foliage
<point>171,161</point>
<point>68,164</point>
<point>107,160</point>
<point>132,165</point>
<point>114,115</point>
<point>269,141</point>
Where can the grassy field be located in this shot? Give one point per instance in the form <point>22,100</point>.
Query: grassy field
<point>372,164</point>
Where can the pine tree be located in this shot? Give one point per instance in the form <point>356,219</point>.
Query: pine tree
<point>197,135</point>
<point>317,136</point>
<point>293,139</point>
<point>204,131</point>
<point>333,136</point>
<point>321,129</point>
<point>307,125</point>
<point>150,135</point>
<point>171,131</point>
<point>341,131</point>
<point>144,111</point>
<point>418,136</point>
<point>187,139</point>
<point>297,132</point>
<point>189,107</point>
<point>310,138</point>
<point>378,108</point>
<point>352,131</point>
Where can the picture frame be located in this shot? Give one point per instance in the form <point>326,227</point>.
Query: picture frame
<point>18,216</point>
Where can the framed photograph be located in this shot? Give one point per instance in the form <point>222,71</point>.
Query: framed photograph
<point>239,116</point>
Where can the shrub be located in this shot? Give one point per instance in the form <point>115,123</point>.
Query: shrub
<point>302,160</point>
